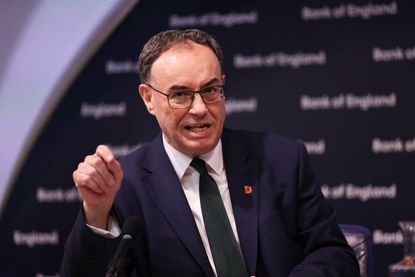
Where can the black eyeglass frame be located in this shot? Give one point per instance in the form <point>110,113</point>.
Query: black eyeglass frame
<point>221,88</point>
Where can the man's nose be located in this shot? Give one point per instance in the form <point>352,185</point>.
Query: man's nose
<point>198,106</point>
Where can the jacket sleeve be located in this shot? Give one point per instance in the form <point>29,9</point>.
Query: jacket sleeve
<point>87,253</point>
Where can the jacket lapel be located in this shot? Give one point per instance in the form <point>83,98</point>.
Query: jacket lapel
<point>167,192</point>
<point>242,176</point>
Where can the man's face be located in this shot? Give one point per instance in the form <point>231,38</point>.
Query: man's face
<point>195,130</point>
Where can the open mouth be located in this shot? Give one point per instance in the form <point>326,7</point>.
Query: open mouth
<point>198,128</point>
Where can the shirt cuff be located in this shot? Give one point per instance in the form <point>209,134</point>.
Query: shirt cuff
<point>113,228</point>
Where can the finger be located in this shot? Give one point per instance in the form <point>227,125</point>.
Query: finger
<point>83,180</point>
<point>105,153</point>
<point>116,170</point>
<point>90,197</point>
<point>98,172</point>
<point>113,165</point>
<point>98,166</point>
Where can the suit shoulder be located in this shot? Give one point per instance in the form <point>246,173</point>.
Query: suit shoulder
<point>269,140</point>
<point>134,157</point>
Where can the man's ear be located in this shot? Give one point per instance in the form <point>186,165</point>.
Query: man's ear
<point>146,95</point>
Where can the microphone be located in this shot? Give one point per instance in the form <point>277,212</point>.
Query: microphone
<point>119,262</point>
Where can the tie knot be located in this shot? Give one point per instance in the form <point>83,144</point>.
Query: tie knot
<point>199,165</point>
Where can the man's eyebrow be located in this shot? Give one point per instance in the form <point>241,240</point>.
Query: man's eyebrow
<point>213,81</point>
<point>178,87</point>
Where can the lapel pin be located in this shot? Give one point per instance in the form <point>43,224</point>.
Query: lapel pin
<point>247,189</point>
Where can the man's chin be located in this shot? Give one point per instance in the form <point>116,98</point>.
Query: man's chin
<point>198,148</point>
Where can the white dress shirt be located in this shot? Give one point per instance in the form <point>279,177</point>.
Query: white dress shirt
<point>189,178</point>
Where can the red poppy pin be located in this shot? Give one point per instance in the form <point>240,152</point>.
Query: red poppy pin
<point>247,189</point>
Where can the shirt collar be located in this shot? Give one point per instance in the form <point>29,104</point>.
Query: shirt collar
<point>180,161</point>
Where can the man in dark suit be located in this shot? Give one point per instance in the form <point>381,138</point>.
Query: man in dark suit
<point>277,217</point>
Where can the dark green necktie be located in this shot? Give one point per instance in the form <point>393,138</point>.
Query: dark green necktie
<point>226,254</point>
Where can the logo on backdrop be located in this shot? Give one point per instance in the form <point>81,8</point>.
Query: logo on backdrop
<point>362,193</point>
<point>397,145</point>
<point>34,238</point>
<point>121,67</point>
<point>241,105</point>
<point>55,195</point>
<point>315,147</point>
<point>101,110</point>
<point>365,11</point>
<point>393,54</point>
<point>348,101</point>
<point>213,19</point>
<point>279,59</point>
<point>123,149</point>
<point>386,238</point>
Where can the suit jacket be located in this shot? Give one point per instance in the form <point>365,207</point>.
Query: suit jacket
<point>285,226</point>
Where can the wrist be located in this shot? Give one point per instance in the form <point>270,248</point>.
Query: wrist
<point>95,216</point>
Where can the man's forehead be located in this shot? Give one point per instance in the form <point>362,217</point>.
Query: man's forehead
<point>172,61</point>
<point>185,46</point>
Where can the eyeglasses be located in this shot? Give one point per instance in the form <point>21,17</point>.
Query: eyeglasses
<point>184,98</point>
